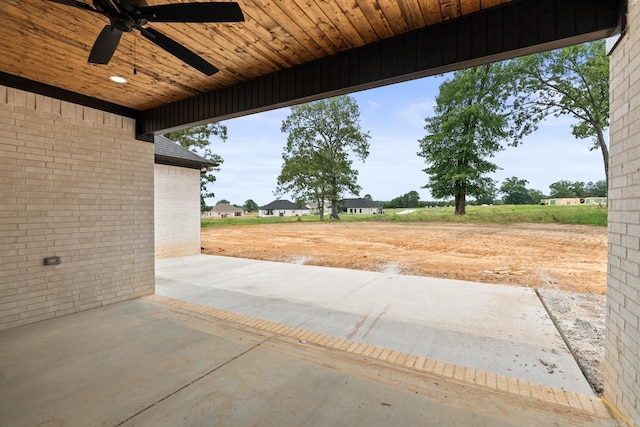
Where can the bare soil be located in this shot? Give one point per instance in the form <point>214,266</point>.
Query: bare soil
<point>571,258</point>
<point>566,263</point>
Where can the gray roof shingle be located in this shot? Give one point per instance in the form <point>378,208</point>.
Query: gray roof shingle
<point>225,208</point>
<point>168,152</point>
<point>282,204</point>
<point>359,203</point>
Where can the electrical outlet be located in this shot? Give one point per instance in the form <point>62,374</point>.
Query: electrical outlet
<point>52,260</point>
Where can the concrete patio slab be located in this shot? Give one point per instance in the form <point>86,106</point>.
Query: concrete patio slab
<point>494,328</point>
<point>151,363</point>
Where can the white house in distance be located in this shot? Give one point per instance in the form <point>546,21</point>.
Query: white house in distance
<point>282,208</point>
<point>360,206</point>
<point>176,199</point>
<point>224,210</point>
<point>314,208</point>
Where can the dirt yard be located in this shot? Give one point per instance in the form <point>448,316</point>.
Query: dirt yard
<point>566,263</point>
<point>571,258</point>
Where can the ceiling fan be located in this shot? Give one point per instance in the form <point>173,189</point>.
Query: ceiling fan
<point>126,15</point>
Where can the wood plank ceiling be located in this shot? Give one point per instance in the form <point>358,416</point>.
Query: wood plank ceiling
<point>49,43</point>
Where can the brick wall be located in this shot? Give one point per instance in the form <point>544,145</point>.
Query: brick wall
<point>74,183</point>
<point>622,361</point>
<point>177,210</point>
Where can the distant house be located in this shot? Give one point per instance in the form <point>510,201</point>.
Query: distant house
<point>282,208</point>
<point>314,208</point>
<point>224,210</point>
<point>360,206</point>
<point>176,199</point>
<point>574,201</point>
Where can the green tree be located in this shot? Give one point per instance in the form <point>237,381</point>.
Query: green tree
<point>411,199</point>
<point>472,119</point>
<point>250,206</point>
<point>597,189</point>
<point>301,203</point>
<point>408,200</point>
<point>562,189</point>
<point>198,140</point>
<point>490,195</point>
<point>323,135</point>
<point>515,191</point>
<point>578,189</point>
<point>570,81</point>
<point>536,196</point>
<point>396,202</point>
<point>303,177</point>
<point>223,201</point>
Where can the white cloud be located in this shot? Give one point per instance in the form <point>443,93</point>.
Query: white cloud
<point>371,106</point>
<point>415,112</point>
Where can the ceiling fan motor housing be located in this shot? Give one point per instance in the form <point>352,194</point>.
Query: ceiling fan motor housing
<point>122,23</point>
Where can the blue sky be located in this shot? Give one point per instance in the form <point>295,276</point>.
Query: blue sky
<point>394,116</point>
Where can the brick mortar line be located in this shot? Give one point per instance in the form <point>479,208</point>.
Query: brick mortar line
<point>409,361</point>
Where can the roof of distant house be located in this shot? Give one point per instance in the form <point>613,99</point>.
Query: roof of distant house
<point>225,208</point>
<point>359,203</point>
<point>283,204</point>
<point>170,153</point>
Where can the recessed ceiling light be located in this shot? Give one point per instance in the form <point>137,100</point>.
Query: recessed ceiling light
<point>118,79</point>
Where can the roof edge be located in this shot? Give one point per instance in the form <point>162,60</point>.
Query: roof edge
<point>191,164</point>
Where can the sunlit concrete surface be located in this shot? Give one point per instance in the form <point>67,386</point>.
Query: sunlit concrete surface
<point>148,363</point>
<point>494,328</point>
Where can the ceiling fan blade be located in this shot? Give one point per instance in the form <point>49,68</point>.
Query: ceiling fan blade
<point>75,3</point>
<point>194,12</point>
<point>179,51</point>
<point>105,45</point>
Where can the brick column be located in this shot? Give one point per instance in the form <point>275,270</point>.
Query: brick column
<point>622,377</point>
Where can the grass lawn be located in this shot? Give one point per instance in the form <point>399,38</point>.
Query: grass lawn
<point>504,214</point>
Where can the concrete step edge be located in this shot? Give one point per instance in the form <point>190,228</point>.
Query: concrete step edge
<point>477,378</point>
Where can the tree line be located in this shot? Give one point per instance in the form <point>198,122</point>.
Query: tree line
<point>479,111</point>
<point>513,191</point>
